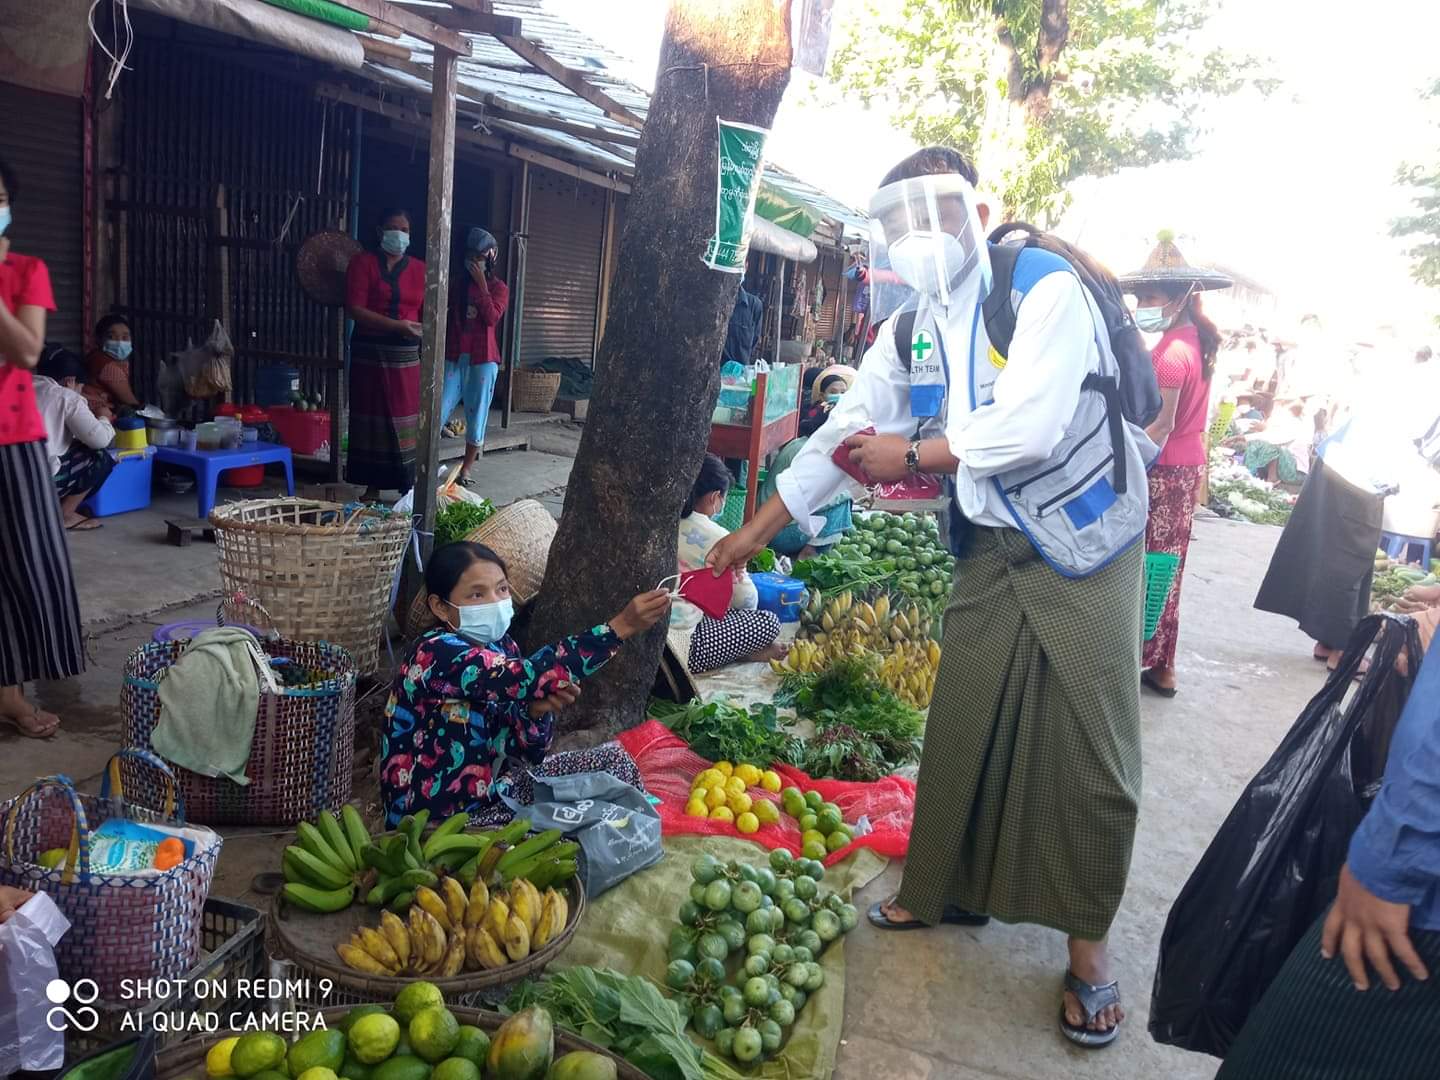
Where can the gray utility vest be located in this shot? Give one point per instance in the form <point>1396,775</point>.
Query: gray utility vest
<point>1083,505</point>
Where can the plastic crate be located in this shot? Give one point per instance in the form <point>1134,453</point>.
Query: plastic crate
<point>126,488</point>
<point>303,432</point>
<point>232,944</point>
<point>1160,570</point>
<point>1220,425</point>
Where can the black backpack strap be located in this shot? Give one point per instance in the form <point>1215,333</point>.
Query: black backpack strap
<point>904,330</point>
<point>1108,386</point>
<point>998,310</point>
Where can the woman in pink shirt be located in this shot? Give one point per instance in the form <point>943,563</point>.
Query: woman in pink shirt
<point>1167,299</point>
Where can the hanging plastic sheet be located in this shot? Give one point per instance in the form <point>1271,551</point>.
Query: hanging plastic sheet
<point>1273,866</point>
<point>255,20</point>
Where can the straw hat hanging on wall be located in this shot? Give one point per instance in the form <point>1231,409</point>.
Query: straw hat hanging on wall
<point>1166,266</point>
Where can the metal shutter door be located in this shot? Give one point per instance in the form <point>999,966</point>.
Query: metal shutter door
<point>562,268</point>
<point>42,140</point>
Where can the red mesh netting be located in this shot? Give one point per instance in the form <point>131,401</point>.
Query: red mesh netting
<point>668,767</point>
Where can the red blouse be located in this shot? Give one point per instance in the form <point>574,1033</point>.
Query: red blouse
<point>24,281</point>
<point>472,328</point>
<point>398,293</point>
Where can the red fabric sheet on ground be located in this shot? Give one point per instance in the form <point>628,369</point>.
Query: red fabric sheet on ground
<point>668,766</point>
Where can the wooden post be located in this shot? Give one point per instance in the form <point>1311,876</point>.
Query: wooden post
<point>607,258</point>
<point>519,238</point>
<point>437,295</point>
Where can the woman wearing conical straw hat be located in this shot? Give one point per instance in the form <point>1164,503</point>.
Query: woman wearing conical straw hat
<point>1167,294</point>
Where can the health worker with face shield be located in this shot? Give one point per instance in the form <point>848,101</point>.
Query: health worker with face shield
<point>1030,775</point>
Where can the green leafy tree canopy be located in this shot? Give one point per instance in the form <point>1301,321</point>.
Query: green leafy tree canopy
<point>1041,92</point>
<point>1423,226</point>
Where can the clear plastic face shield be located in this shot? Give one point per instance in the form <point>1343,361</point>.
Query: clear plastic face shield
<point>926,244</point>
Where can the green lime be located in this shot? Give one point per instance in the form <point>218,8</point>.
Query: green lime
<point>415,998</point>
<point>814,800</point>
<point>434,1033</point>
<point>474,1044</point>
<point>836,840</point>
<point>256,1052</point>
<point>373,1038</point>
<point>456,1068</point>
<point>816,849</point>
<point>325,1049</point>
<point>356,1013</point>
<point>318,1073</point>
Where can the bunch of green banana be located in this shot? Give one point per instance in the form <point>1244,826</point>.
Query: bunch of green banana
<point>324,866</point>
<point>449,931</point>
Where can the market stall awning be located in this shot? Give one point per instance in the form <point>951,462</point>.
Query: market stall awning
<point>771,238</point>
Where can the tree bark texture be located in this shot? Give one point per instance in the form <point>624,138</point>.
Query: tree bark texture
<point>658,368</point>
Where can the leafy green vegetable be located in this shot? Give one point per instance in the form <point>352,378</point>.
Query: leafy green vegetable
<point>627,1015</point>
<point>724,732</point>
<point>460,518</point>
<point>763,563</point>
<point>862,730</point>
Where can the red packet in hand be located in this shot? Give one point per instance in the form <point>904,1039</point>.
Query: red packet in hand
<point>841,457</point>
<point>921,486</point>
<point>707,592</point>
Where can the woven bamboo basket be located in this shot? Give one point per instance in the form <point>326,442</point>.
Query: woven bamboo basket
<point>323,571</point>
<point>521,534</point>
<point>188,1058</point>
<point>534,391</point>
<point>307,941</point>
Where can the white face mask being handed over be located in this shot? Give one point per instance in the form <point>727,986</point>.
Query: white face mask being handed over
<point>486,623</point>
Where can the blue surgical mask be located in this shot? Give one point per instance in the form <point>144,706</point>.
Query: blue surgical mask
<point>4,219</point>
<point>486,623</point>
<point>395,241</point>
<point>1152,319</point>
<point>832,398</point>
<point>120,350</point>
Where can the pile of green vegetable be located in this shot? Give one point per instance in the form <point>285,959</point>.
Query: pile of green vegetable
<point>897,553</point>
<point>625,1014</point>
<point>775,922</point>
<point>1390,582</point>
<point>1236,492</point>
<point>460,518</point>
<point>863,731</point>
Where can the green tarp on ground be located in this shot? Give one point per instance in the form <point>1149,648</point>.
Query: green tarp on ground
<point>628,929</point>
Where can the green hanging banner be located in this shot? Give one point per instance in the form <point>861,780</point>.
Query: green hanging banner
<point>742,148</point>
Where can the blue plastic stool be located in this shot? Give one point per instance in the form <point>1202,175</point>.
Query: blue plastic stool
<point>1398,545</point>
<point>207,465</point>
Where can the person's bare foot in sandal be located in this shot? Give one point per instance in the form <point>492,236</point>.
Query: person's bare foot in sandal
<point>28,720</point>
<point>1090,963</point>
<point>774,652</point>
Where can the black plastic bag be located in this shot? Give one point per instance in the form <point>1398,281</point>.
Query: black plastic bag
<point>1273,866</point>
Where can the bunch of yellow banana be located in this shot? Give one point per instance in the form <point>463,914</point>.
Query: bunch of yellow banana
<point>909,670</point>
<point>449,931</point>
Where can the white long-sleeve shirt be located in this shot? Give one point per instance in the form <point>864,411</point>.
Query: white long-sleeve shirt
<point>68,417</point>
<point>1036,392</point>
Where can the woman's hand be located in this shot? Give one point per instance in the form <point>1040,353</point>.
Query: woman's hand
<point>735,551</point>
<point>562,695</point>
<point>1362,927</point>
<point>414,329</point>
<point>476,269</point>
<point>641,614</point>
<point>12,900</point>
<point>881,456</point>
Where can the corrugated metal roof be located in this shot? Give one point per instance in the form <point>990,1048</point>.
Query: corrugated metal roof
<point>492,68</point>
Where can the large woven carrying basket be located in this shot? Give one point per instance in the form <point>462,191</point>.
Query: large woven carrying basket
<point>324,571</point>
<point>302,757</point>
<point>534,391</point>
<point>521,534</point>
<point>122,926</point>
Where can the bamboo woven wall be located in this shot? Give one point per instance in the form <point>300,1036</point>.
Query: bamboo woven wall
<point>210,157</point>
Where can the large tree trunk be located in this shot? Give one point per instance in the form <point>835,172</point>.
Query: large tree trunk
<point>658,370</point>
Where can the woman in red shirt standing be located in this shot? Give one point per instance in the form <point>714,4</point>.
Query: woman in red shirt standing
<point>473,351</point>
<point>39,613</point>
<point>1167,299</point>
<point>384,293</point>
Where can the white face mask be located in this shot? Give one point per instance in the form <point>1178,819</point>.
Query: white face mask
<point>486,623</point>
<point>1152,319</point>
<point>929,262</point>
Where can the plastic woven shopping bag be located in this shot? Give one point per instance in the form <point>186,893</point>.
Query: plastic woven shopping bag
<point>122,925</point>
<point>1273,866</point>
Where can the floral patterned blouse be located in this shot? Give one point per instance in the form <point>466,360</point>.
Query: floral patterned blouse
<point>459,713</point>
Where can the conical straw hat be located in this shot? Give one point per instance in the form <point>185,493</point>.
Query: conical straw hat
<point>1166,266</point>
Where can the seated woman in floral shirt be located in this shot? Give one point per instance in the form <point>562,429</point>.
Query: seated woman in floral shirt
<point>468,713</point>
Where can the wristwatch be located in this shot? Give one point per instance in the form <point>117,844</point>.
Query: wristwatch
<point>912,457</point>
